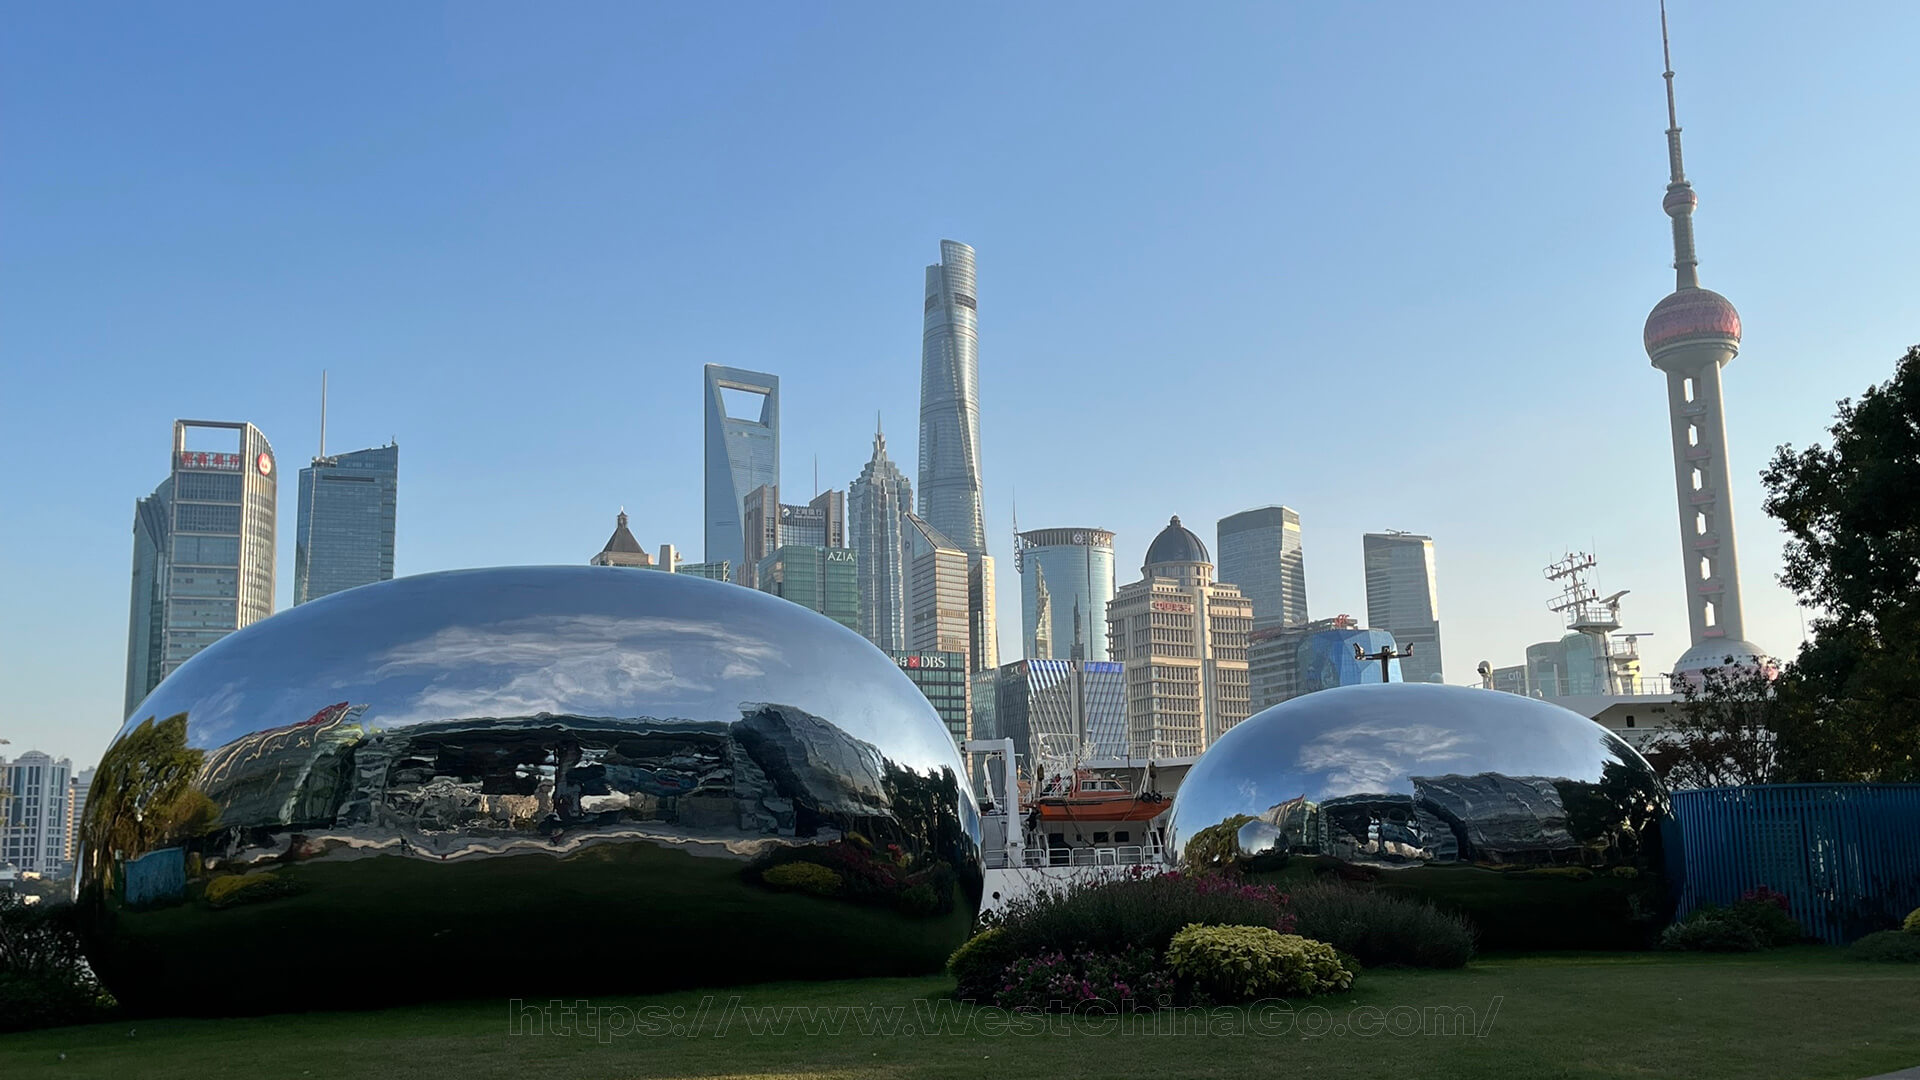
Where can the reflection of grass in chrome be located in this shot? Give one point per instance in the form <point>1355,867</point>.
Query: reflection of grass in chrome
<point>606,918</point>
<point>1804,1012</point>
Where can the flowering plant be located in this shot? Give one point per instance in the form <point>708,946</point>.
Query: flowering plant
<point>1056,981</point>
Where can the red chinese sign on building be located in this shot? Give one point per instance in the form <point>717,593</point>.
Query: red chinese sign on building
<point>200,459</point>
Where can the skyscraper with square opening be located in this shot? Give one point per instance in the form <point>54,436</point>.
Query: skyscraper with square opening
<point>742,453</point>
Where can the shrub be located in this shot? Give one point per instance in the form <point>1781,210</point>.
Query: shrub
<point>1380,929</point>
<point>1912,925</point>
<point>1135,912</point>
<point>1765,912</point>
<point>803,877</point>
<point>1711,931</point>
<point>978,964</point>
<point>1245,963</point>
<point>1056,981</point>
<point>44,980</point>
<point>1888,947</point>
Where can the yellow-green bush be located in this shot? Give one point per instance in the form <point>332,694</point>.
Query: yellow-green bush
<point>1245,963</point>
<point>1912,925</point>
<point>977,965</point>
<point>804,877</point>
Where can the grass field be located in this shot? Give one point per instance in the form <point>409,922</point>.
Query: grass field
<point>1802,1013</point>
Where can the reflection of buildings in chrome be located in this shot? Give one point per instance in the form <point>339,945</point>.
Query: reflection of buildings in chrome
<point>284,774</point>
<point>447,787</point>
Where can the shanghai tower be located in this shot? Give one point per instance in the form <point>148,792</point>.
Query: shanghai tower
<point>1690,336</point>
<point>950,402</point>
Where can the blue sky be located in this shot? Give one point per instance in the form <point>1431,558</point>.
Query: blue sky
<point>1385,263</point>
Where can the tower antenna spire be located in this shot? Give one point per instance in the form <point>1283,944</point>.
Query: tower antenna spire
<point>1680,199</point>
<point>323,412</point>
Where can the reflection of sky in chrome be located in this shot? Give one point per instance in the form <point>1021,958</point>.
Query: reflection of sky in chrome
<point>1374,739</point>
<point>591,641</point>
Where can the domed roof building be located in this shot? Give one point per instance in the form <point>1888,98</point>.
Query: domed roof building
<point>1183,640</point>
<point>1690,335</point>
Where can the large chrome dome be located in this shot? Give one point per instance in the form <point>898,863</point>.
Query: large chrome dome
<point>1540,825</point>
<point>531,781</point>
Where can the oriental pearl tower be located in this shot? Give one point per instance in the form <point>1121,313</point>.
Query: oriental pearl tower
<point>1691,335</point>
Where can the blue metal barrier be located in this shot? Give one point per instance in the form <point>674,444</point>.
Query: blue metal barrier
<point>1847,856</point>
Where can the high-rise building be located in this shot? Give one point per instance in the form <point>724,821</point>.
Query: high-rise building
<point>820,523</point>
<point>1285,662</point>
<point>760,530</point>
<point>1690,336</point>
<point>983,621</point>
<point>621,548</point>
<point>937,579</point>
<point>1260,552</point>
<point>345,522</point>
<point>1078,567</point>
<point>1061,705</point>
<point>203,563</point>
<point>1404,600</point>
<point>33,834</point>
<point>712,571</point>
<point>878,502</point>
<point>942,676</point>
<point>77,810</point>
<point>146,619</point>
<point>950,401</point>
<point>1183,640</point>
<point>822,579</point>
<point>742,453</point>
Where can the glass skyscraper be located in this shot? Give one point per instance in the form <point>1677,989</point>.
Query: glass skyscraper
<point>878,502</point>
<point>34,827</point>
<point>203,559</point>
<point>1085,702</point>
<point>1260,552</point>
<point>821,579</point>
<point>950,401</point>
<point>1403,599</point>
<point>942,676</point>
<point>345,523</point>
<point>742,454</point>
<point>1076,566</point>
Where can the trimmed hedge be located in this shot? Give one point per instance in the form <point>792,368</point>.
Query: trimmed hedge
<point>1381,929</point>
<point>1247,963</point>
<point>1887,947</point>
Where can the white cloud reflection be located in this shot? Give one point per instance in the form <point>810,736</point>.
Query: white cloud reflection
<point>1373,757</point>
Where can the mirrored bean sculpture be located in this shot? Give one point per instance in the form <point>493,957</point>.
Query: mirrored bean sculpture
<point>528,782</point>
<point>1541,826</point>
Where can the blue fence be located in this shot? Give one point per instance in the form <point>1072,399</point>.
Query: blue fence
<point>1846,855</point>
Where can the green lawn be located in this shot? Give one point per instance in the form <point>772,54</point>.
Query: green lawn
<point>1803,1013</point>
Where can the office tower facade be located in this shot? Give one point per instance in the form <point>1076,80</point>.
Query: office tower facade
<point>621,548</point>
<point>1183,640</point>
<point>821,579</point>
<point>213,572</point>
<point>937,579</point>
<point>950,401</point>
<point>742,453</point>
<point>146,618</point>
<point>720,571</point>
<point>33,832</point>
<point>1403,598</point>
<point>1284,662</point>
<point>760,531</point>
<point>878,502</point>
<point>983,620</point>
<point>942,676</point>
<point>1077,565</point>
<point>820,523</point>
<point>1062,705</point>
<point>1260,552</point>
<point>1690,336</point>
<point>77,791</point>
<point>345,522</point>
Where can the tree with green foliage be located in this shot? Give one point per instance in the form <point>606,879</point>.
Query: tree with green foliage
<point>1851,511</point>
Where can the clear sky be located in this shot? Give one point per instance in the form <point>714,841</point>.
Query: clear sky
<point>1385,263</point>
